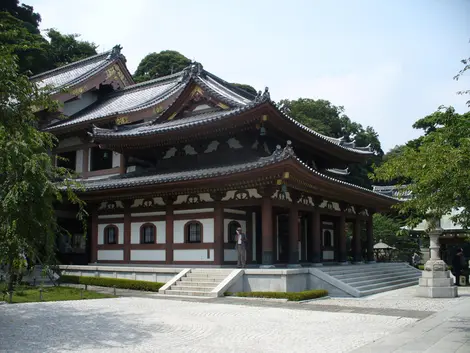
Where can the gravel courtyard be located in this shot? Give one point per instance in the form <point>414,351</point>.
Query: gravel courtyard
<point>152,325</point>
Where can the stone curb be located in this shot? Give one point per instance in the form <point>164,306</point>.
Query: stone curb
<point>276,300</point>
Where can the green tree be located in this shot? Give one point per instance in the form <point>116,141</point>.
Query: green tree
<point>246,88</point>
<point>387,229</point>
<point>436,171</point>
<point>66,48</point>
<point>22,12</point>
<point>160,64</point>
<point>28,177</point>
<point>328,119</point>
<point>466,63</point>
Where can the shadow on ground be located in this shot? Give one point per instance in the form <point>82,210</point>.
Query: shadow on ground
<point>61,326</point>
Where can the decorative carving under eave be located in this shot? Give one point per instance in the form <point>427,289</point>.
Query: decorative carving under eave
<point>189,150</point>
<point>212,147</point>
<point>279,195</point>
<point>111,205</point>
<point>217,195</point>
<point>193,198</point>
<point>241,195</point>
<point>330,206</point>
<point>234,143</point>
<point>147,203</point>
<point>305,200</point>
<point>170,153</point>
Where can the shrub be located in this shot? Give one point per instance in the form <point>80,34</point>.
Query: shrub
<point>292,296</point>
<point>110,282</point>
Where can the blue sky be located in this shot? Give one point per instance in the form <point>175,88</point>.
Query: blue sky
<point>388,62</point>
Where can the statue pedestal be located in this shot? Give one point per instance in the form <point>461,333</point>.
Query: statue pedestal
<point>435,282</point>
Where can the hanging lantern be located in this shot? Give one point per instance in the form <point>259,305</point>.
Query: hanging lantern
<point>105,155</point>
<point>284,188</point>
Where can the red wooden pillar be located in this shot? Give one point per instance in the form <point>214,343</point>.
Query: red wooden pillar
<point>127,231</point>
<point>342,251</point>
<point>169,234</point>
<point>169,218</point>
<point>315,228</point>
<point>218,233</point>
<point>370,238</point>
<point>94,234</point>
<point>357,250</point>
<point>267,230</point>
<point>294,234</point>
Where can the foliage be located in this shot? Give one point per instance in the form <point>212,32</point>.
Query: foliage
<point>65,48</point>
<point>29,294</point>
<point>328,119</point>
<point>246,88</point>
<point>35,54</point>
<point>439,168</point>
<point>387,229</point>
<point>110,282</point>
<point>27,173</point>
<point>291,296</point>
<point>22,12</point>
<point>466,63</point>
<point>160,64</point>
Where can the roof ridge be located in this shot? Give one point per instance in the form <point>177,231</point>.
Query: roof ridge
<point>251,96</point>
<point>67,66</point>
<point>150,82</point>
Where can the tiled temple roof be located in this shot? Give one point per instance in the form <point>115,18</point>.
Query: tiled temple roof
<point>76,72</point>
<point>127,100</point>
<point>151,128</point>
<point>152,178</point>
<point>396,191</point>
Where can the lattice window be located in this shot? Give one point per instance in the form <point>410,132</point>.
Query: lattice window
<point>147,233</point>
<point>193,232</point>
<point>111,234</point>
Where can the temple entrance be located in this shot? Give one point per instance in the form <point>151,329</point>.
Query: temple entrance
<point>283,238</point>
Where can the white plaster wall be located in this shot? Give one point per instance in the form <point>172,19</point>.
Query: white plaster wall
<point>161,232</point>
<point>193,255</point>
<point>76,105</point>
<point>111,255</point>
<point>147,255</point>
<point>328,255</point>
<point>120,227</point>
<point>69,142</point>
<point>116,160</point>
<point>207,225</point>
<point>230,255</point>
<point>226,223</point>
<point>79,161</point>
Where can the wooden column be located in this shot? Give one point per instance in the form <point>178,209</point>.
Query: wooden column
<point>127,230</point>
<point>169,212</point>
<point>370,238</point>
<point>342,249</point>
<point>315,228</point>
<point>294,233</point>
<point>357,251</point>
<point>85,166</point>
<point>218,229</point>
<point>94,234</point>
<point>267,230</point>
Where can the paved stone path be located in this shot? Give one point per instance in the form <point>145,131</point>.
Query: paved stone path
<point>447,331</point>
<point>149,325</point>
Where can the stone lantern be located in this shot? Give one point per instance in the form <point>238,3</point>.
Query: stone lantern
<point>435,281</point>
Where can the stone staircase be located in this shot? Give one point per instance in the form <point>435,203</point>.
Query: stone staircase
<point>198,282</point>
<point>368,279</point>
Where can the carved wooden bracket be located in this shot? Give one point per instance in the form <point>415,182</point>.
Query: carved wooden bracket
<point>169,199</point>
<point>217,195</point>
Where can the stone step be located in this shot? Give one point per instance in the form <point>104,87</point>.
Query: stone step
<point>385,284</point>
<point>191,289</point>
<point>197,284</point>
<point>187,293</point>
<point>202,279</point>
<point>351,280</point>
<point>385,289</point>
<point>198,277</point>
<point>352,269</point>
<point>365,272</point>
<point>356,282</point>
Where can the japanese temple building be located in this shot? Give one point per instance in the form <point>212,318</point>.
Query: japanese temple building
<point>172,166</point>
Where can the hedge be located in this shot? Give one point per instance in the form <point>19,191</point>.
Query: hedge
<point>111,282</point>
<point>292,296</point>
